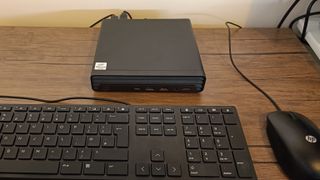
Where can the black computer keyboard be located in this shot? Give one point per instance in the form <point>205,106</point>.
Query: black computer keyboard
<point>122,142</point>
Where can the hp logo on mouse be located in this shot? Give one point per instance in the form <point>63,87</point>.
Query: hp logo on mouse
<point>311,139</point>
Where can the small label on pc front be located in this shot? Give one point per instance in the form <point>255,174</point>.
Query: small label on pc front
<point>100,66</point>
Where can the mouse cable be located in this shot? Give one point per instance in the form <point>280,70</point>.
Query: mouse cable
<point>243,75</point>
<point>64,99</point>
<point>306,20</point>
<point>301,17</point>
<point>288,12</point>
<point>97,22</point>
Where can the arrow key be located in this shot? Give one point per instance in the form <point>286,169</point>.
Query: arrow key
<point>142,169</point>
<point>174,170</point>
<point>158,170</point>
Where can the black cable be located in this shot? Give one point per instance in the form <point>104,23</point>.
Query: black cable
<point>126,12</point>
<point>64,99</point>
<point>238,70</point>
<point>97,22</point>
<point>306,21</point>
<point>301,17</point>
<point>288,12</point>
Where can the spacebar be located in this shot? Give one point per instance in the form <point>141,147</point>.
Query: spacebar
<point>29,167</point>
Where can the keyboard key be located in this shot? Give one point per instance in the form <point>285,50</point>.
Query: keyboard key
<point>110,154</point>
<point>155,130</point>
<point>39,153</point>
<point>28,167</point>
<point>93,109</point>
<point>206,142</point>
<point>45,117</point>
<point>236,138</point>
<point>93,168</point>
<point>64,141</point>
<point>155,119</point>
<point>10,153</point>
<point>19,117</point>
<point>142,118</point>
<point>59,117</point>
<point>227,110</point>
<point>216,119</point>
<point>8,128</point>
<point>204,130</point>
<point>142,130</point>
<point>77,129</point>
<point>200,110</point>
<point>225,156</point>
<point>122,133</point>
<point>193,156</point>
<point>25,153</point>
<point>50,141</point>
<point>214,110</point>
<point>72,118</point>
<point>20,108</point>
<point>93,141</point>
<point>170,130</point>
<point>142,169</point>
<point>7,140</point>
<point>228,170</point>
<point>78,141</point>
<point>99,118</point>
<point>91,129</point>
<point>118,118</point>
<point>141,110</point>
<point>168,110</point>
<point>209,156</point>
<point>54,153</point>
<point>174,170</point>
<point>158,170</point>
<point>169,119</point>
<point>6,116</point>
<point>84,154</point>
<point>186,110</point>
<point>117,169</point>
<point>107,141</point>
<point>230,119</point>
<point>187,119</point>
<point>108,109</point>
<point>122,109</point>
<point>154,110</point>
<point>202,119</point>
<point>35,140</point>
<point>191,142</point>
<point>222,143</point>
<point>86,118</point>
<point>5,108</point>
<point>22,140</point>
<point>69,154</point>
<point>36,128</point>
<point>32,117</point>
<point>204,170</point>
<point>190,130</point>
<point>157,155</point>
<point>49,128</point>
<point>71,167</point>
<point>105,129</point>
<point>218,130</point>
<point>243,164</point>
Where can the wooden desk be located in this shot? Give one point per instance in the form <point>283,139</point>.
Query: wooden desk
<point>56,62</point>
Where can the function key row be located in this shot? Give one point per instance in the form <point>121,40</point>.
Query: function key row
<point>36,108</point>
<point>212,110</point>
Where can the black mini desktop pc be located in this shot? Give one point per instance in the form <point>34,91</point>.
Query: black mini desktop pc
<point>147,55</point>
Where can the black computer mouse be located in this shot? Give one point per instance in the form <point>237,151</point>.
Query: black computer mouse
<point>295,141</point>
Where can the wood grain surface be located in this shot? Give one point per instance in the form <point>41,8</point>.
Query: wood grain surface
<point>56,62</point>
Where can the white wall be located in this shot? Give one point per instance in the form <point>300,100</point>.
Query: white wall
<point>203,13</point>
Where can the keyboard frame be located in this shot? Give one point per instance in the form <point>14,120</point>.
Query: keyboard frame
<point>136,142</point>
